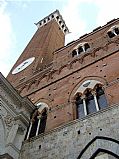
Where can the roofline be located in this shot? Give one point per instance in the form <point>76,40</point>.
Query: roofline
<point>87,34</point>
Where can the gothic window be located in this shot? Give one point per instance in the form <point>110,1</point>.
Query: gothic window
<point>113,31</point>
<point>90,102</point>
<point>43,122</point>
<point>38,121</point>
<point>83,47</point>
<point>92,99</point>
<point>34,126</point>
<point>74,53</point>
<point>101,99</point>
<point>80,108</point>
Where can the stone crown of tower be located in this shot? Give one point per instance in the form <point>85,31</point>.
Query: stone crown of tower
<point>57,16</point>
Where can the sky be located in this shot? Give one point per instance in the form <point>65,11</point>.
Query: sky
<point>17,18</point>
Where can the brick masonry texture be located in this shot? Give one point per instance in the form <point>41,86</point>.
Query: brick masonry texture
<point>55,82</point>
<point>56,85</point>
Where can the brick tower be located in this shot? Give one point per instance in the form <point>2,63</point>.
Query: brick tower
<point>33,69</point>
<point>38,54</point>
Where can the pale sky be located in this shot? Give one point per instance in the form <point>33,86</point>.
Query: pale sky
<point>17,20</point>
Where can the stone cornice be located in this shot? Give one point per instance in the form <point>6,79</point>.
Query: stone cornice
<point>21,101</point>
<point>47,73</point>
<point>83,66</point>
<point>22,118</point>
<point>57,129</point>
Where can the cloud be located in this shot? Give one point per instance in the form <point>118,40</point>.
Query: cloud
<point>6,38</point>
<point>77,25</point>
<point>107,10</point>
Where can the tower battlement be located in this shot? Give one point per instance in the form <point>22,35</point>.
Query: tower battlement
<point>54,16</point>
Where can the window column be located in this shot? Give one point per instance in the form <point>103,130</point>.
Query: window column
<point>38,126</point>
<point>84,105</point>
<point>95,99</point>
<point>83,48</point>
<point>29,131</point>
<point>77,52</point>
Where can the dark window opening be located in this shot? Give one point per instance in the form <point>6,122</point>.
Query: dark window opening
<point>52,16</point>
<point>60,22</point>
<point>90,103</point>
<point>80,49</point>
<point>43,122</point>
<point>74,53</point>
<point>102,102</point>
<point>34,127</point>
<point>86,46</point>
<point>35,120</point>
<point>116,31</point>
<point>57,17</point>
<point>80,107</point>
<point>65,30</point>
<point>62,26</point>
<point>111,34</point>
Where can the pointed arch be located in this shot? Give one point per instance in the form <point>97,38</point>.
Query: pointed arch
<point>88,97</point>
<point>97,78</point>
<point>100,144</point>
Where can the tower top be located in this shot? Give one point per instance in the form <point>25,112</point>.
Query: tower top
<point>54,16</point>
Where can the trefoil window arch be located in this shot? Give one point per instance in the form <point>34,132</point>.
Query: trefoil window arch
<point>37,120</point>
<point>91,100</point>
<point>113,31</point>
<point>80,48</point>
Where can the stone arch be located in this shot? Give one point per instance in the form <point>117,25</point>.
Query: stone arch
<point>41,106</point>
<point>113,31</point>
<point>80,44</point>
<point>38,120</point>
<point>100,144</point>
<point>80,95</point>
<point>88,84</point>
<point>104,151</point>
<point>74,90</point>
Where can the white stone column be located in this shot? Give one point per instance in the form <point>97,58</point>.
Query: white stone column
<point>39,117</point>
<point>84,105</point>
<point>114,32</point>
<point>77,52</point>
<point>29,131</point>
<point>83,48</point>
<point>96,102</point>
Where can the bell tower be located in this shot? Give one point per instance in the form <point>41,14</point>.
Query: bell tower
<point>38,54</point>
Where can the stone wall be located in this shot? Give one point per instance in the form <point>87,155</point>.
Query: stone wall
<point>14,119</point>
<point>83,138</point>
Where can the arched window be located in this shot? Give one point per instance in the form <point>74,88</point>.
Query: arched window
<point>90,102</point>
<point>101,99</point>
<point>43,122</point>
<point>79,106</point>
<point>34,124</point>
<point>38,120</point>
<point>113,31</point>
<point>82,47</point>
<point>91,99</point>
